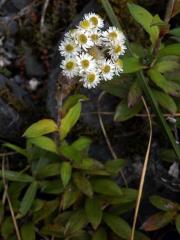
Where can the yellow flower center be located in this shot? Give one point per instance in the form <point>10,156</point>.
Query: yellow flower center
<point>91,77</point>
<point>94,21</point>
<point>70,65</point>
<point>69,48</point>
<point>85,24</point>
<point>117,49</point>
<point>85,63</point>
<point>82,39</point>
<point>94,37</point>
<point>113,35</point>
<point>106,69</point>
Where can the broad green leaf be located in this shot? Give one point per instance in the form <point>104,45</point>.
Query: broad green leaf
<point>49,170</point>
<point>71,101</point>
<point>114,166</point>
<point>85,164</point>
<point>123,112</point>
<point>28,199</point>
<point>157,21</point>
<point>7,228</point>
<point>52,187</point>
<point>76,222</point>
<point>18,149</point>
<point>128,195</point>
<point>48,208</point>
<point>117,225</point>
<point>40,128</point>
<point>143,17</point>
<point>70,120</point>
<point>70,153</point>
<point>16,176</point>
<point>28,231</point>
<point>106,186</point>
<point>173,49</point>
<point>134,94</point>
<point>167,86</point>
<point>167,155</point>
<point>158,221</point>
<point>140,236</point>
<point>131,64</point>
<point>122,208</point>
<point>83,184</point>
<point>165,101</point>
<point>65,172</point>
<point>45,143</point>
<point>82,143</point>
<point>167,65</point>
<point>178,223</point>
<point>93,211</point>
<point>100,234</point>
<point>163,203</point>
<point>1,212</point>
<point>54,230</point>
<point>175,32</point>
<point>69,197</point>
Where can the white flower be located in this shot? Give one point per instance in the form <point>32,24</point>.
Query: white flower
<point>90,79</point>
<point>69,67</point>
<point>85,62</point>
<point>116,50</point>
<point>95,37</point>
<point>107,69</point>
<point>95,20</point>
<point>68,48</point>
<point>85,24</point>
<point>82,39</point>
<point>118,67</point>
<point>113,34</point>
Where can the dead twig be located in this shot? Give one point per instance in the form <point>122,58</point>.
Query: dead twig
<point>42,21</point>
<point>107,138</point>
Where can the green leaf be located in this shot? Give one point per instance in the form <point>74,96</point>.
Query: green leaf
<point>28,231</point>
<point>163,203</point>
<point>114,166</point>
<point>156,21</point>
<point>28,199</point>
<point>165,101</point>
<point>123,112</point>
<point>85,164</point>
<point>18,149</point>
<point>167,155</point>
<point>52,187</point>
<point>69,197</point>
<point>167,64</point>
<point>167,86</point>
<point>76,222</point>
<point>143,17</point>
<point>70,120</point>
<point>131,64</point>
<point>16,176</point>
<point>71,101</point>
<point>117,225</point>
<point>93,211</point>
<point>140,236</point>
<point>83,184</point>
<point>106,186</point>
<point>173,49</point>
<point>128,195</point>
<point>70,153</point>
<point>82,143</point>
<point>7,228</point>
<point>65,172</point>
<point>134,94</point>
<point>40,128</point>
<point>158,221</point>
<point>100,234</point>
<point>49,170</point>
<point>154,105</point>
<point>175,32</point>
<point>45,143</point>
<point>178,223</point>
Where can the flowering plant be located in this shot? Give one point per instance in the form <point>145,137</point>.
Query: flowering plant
<point>91,53</point>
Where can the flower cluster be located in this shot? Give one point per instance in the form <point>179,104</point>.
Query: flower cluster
<point>90,53</point>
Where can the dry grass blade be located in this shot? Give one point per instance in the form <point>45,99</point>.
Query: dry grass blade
<point>141,185</point>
